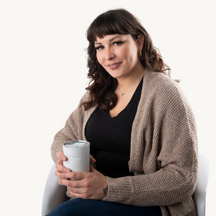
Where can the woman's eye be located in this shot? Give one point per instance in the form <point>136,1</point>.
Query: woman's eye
<point>99,48</point>
<point>118,43</point>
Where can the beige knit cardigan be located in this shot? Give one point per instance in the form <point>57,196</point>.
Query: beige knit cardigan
<point>163,156</point>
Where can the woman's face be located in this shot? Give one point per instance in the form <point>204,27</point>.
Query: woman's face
<point>118,54</point>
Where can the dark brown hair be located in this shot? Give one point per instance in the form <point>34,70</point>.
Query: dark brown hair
<point>102,86</point>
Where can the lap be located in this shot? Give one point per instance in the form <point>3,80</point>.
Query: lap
<point>98,207</point>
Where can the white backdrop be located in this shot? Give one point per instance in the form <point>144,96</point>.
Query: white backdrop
<point>44,74</point>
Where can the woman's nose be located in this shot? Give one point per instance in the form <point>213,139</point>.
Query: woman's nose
<point>109,54</point>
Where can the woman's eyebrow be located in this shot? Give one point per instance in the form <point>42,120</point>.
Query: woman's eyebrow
<point>114,38</point>
<point>97,43</point>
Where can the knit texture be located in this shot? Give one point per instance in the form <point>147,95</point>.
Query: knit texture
<point>164,155</point>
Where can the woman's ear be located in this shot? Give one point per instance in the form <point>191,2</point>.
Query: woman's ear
<point>140,42</point>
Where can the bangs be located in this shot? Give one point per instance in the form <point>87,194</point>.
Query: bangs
<point>109,23</point>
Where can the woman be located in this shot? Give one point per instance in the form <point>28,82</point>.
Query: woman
<point>141,129</point>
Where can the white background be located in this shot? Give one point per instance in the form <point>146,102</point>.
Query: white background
<point>43,75</point>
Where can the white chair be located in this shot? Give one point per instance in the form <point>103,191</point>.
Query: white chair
<point>54,194</point>
<point>200,192</point>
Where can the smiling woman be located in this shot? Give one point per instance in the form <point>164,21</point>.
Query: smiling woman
<point>141,129</point>
<point>124,26</point>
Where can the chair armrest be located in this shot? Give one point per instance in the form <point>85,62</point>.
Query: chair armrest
<point>54,194</point>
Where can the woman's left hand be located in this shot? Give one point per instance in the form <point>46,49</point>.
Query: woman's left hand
<point>86,185</point>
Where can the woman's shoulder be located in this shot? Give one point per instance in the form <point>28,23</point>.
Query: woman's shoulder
<point>160,80</point>
<point>85,97</point>
<point>80,113</point>
<point>81,107</point>
<point>161,83</point>
<point>164,89</point>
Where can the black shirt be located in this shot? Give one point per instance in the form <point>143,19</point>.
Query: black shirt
<point>110,138</point>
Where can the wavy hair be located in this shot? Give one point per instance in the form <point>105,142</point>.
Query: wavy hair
<point>102,86</point>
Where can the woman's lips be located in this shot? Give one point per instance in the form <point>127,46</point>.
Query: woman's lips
<point>114,65</point>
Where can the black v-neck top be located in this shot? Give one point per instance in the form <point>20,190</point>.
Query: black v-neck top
<point>110,137</point>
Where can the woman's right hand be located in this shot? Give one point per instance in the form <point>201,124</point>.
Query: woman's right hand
<point>59,165</point>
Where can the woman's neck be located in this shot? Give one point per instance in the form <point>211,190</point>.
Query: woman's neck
<point>133,79</point>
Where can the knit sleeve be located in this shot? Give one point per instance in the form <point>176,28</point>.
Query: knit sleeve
<point>167,173</point>
<point>73,130</point>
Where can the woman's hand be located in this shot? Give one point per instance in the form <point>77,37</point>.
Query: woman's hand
<point>59,165</point>
<point>86,185</point>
